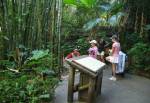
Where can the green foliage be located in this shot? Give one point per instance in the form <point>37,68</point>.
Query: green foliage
<point>115,7</point>
<point>67,48</point>
<point>35,82</point>
<point>88,3</point>
<point>104,13</point>
<point>83,44</point>
<point>91,24</point>
<point>131,39</point>
<point>6,63</point>
<point>31,23</point>
<point>70,1</point>
<point>81,3</point>
<point>26,88</point>
<point>140,54</point>
<point>37,54</point>
<point>38,59</point>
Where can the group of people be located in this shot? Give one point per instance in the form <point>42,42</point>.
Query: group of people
<point>97,51</point>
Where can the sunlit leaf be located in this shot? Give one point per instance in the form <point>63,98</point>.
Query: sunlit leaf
<point>91,24</point>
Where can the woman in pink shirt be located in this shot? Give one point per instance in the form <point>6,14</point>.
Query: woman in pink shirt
<point>93,50</point>
<point>114,58</point>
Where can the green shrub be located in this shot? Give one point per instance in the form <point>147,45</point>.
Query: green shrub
<point>34,83</point>
<point>131,40</point>
<point>80,43</point>
<point>83,44</point>
<point>26,88</point>
<point>140,54</point>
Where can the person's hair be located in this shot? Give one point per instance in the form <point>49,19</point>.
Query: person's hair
<point>108,45</point>
<point>114,37</point>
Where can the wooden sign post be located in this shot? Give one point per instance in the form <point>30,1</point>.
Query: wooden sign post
<point>91,73</point>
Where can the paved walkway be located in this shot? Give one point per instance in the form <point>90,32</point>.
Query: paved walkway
<point>131,89</point>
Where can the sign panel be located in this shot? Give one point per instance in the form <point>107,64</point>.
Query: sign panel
<point>90,63</point>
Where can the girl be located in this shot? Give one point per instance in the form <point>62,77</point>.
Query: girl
<point>114,58</point>
<point>93,50</point>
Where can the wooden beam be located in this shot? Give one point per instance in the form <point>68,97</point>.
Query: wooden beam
<point>99,83</point>
<point>91,90</point>
<point>77,88</point>
<point>71,84</point>
<point>83,87</point>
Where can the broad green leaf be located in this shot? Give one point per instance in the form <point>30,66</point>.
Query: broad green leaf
<point>38,54</point>
<point>88,3</point>
<point>92,23</point>
<point>70,2</point>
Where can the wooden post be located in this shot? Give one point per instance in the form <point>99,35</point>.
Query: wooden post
<point>71,84</point>
<point>84,81</point>
<point>99,83</point>
<point>101,79</point>
<point>91,90</point>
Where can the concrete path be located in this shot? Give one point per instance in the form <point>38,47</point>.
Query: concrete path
<point>130,89</point>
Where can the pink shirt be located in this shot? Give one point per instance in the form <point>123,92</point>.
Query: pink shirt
<point>116,49</point>
<point>93,51</point>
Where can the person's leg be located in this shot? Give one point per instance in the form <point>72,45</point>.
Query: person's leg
<point>102,58</point>
<point>114,69</point>
<point>113,72</point>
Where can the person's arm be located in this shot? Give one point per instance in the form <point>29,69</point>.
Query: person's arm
<point>69,56</point>
<point>78,54</point>
<point>113,48</point>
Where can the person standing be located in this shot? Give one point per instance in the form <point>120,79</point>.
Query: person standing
<point>101,47</point>
<point>114,58</point>
<point>93,50</point>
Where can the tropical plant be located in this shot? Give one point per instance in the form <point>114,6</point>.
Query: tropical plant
<point>26,88</point>
<point>140,53</point>
<point>34,82</point>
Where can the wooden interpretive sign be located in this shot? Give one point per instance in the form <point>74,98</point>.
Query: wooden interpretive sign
<point>90,79</point>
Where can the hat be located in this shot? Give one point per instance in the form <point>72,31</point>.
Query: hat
<point>93,41</point>
<point>76,49</point>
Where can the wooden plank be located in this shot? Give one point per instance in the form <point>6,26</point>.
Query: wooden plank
<point>99,83</point>
<point>84,80</point>
<point>91,90</point>
<point>83,87</point>
<point>80,88</point>
<point>71,84</point>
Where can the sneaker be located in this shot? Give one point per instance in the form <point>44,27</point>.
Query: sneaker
<point>110,78</point>
<point>113,78</point>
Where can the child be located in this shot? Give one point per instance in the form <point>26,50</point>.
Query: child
<point>75,53</point>
<point>114,58</point>
<point>101,48</point>
<point>93,50</point>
